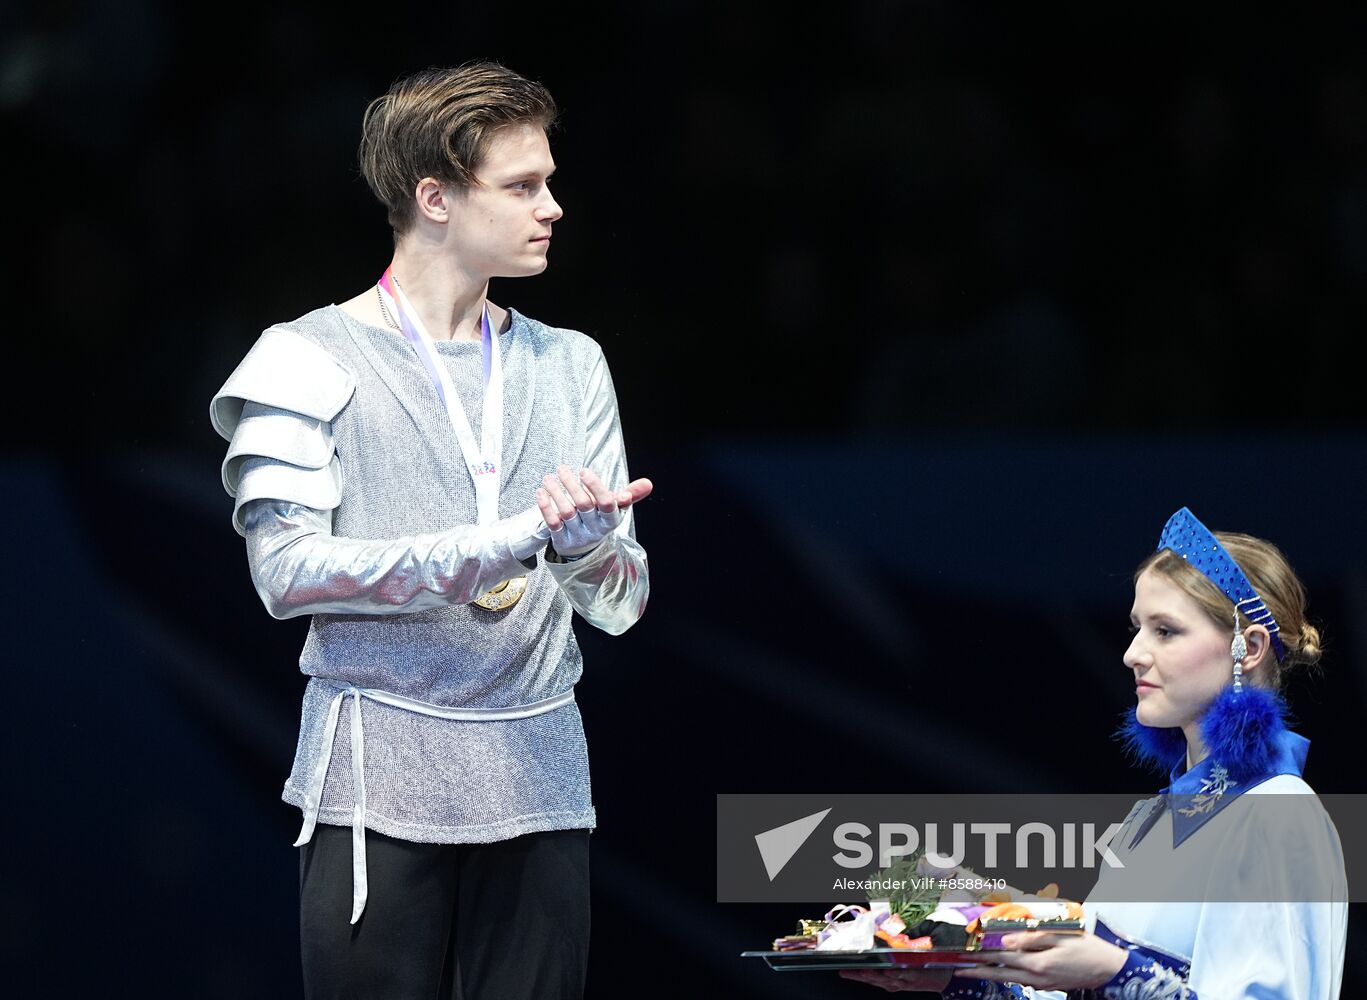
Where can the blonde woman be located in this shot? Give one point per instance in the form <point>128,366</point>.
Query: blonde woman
<point>1258,896</point>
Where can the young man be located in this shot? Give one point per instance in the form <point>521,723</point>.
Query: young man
<point>440,482</point>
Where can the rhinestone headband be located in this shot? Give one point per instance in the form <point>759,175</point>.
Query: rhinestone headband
<point>1192,540</point>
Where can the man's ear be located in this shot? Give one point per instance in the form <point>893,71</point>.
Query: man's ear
<point>432,200</point>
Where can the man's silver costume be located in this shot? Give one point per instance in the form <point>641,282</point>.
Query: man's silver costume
<point>358,509</point>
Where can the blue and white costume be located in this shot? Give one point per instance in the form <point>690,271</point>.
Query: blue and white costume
<point>1221,950</point>
<point>1225,894</point>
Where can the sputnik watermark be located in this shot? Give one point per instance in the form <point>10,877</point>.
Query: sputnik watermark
<point>812,848</point>
<point>898,840</point>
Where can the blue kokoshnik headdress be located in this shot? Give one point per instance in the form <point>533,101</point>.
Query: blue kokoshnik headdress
<point>1193,541</point>
<point>1244,725</point>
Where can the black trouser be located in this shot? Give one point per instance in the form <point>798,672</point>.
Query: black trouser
<point>499,921</point>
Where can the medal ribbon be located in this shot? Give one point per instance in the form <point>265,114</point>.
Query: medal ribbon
<point>483,461</point>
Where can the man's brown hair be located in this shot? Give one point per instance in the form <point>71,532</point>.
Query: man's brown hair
<point>438,123</point>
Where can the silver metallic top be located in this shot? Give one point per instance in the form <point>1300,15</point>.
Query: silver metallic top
<point>358,509</point>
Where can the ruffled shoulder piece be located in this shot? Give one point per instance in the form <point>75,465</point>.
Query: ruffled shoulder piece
<point>287,371</point>
<point>275,411</point>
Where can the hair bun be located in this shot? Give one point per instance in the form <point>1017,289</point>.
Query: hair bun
<point>1309,650</point>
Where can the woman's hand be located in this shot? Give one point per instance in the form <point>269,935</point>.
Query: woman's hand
<point>1052,961</point>
<point>901,980</point>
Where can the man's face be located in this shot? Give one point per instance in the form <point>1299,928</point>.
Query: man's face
<point>502,228</point>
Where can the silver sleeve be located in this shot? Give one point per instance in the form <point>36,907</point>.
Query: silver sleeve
<point>609,586</point>
<point>300,568</point>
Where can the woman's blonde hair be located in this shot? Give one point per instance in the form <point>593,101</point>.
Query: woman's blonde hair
<point>1274,580</point>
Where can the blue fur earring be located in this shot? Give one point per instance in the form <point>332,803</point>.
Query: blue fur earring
<point>1243,726</point>
<point>1158,749</point>
<point>1242,730</point>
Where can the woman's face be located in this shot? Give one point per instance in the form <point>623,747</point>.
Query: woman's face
<point>1180,658</point>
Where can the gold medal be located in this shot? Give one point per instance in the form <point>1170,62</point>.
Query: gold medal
<point>504,596</point>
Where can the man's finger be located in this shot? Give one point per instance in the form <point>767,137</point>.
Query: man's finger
<point>555,489</point>
<point>640,489</point>
<point>575,489</point>
<point>549,513</point>
<point>604,498</point>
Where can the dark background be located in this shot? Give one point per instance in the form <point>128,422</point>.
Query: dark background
<point>923,317</point>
